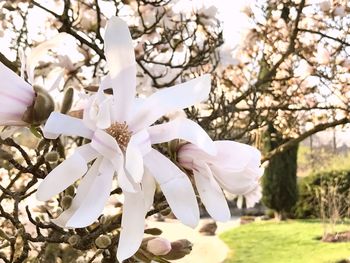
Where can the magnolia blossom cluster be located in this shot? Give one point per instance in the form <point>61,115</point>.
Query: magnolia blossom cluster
<point>122,131</point>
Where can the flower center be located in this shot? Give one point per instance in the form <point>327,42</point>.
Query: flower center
<point>120,132</point>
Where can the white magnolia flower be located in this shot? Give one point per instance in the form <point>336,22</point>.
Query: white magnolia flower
<point>235,168</point>
<point>121,135</point>
<point>32,58</point>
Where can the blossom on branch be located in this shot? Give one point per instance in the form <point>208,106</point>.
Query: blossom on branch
<point>119,127</point>
<point>235,168</point>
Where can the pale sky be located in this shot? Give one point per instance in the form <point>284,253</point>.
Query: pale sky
<point>229,12</point>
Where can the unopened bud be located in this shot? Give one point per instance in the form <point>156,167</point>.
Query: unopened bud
<point>103,219</point>
<point>103,241</point>
<point>165,212</point>
<point>52,157</point>
<point>41,108</point>
<point>4,235</point>
<point>4,155</point>
<point>66,202</point>
<point>70,191</point>
<point>67,100</point>
<point>9,6</point>
<point>325,6</point>
<point>59,211</point>
<point>159,246</point>
<point>153,231</point>
<point>173,146</point>
<point>73,240</point>
<point>20,232</point>
<point>118,204</point>
<point>179,249</point>
<point>41,144</point>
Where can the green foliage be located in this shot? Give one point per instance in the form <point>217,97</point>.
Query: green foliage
<point>308,205</point>
<point>321,160</point>
<point>291,241</point>
<point>279,182</point>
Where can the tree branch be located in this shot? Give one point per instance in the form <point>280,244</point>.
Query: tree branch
<point>290,143</point>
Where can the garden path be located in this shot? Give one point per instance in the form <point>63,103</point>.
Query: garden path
<point>206,249</point>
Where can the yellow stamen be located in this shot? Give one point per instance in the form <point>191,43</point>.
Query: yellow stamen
<point>120,132</point>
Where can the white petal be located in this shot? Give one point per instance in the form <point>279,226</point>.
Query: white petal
<point>211,194</point>
<point>170,99</point>
<point>41,50</point>
<point>121,62</point>
<point>66,173</point>
<point>91,197</point>
<point>97,111</point>
<point>13,103</point>
<point>105,166</point>
<point>104,115</point>
<point>231,156</point>
<point>106,83</point>
<point>59,77</point>
<point>107,147</point>
<point>133,224</point>
<point>126,182</point>
<point>236,156</point>
<point>149,188</point>
<point>184,129</point>
<point>59,123</point>
<point>142,141</point>
<point>134,163</point>
<point>253,196</point>
<point>12,84</point>
<point>83,188</point>
<point>237,183</point>
<point>242,173</point>
<point>176,187</point>
<point>9,119</point>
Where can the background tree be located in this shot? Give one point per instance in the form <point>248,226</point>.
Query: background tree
<point>280,191</point>
<point>291,69</point>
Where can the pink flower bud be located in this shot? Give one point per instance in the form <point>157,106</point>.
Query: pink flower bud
<point>339,11</point>
<point>323,56</point>
<point>325,6</point>
<point>159,246</point>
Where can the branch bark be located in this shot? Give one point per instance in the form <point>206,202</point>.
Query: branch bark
<point>316,129</point>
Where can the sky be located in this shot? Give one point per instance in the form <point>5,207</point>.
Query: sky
<point>229,12</point>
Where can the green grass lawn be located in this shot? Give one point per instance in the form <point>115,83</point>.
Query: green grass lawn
<point>284,242</point>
